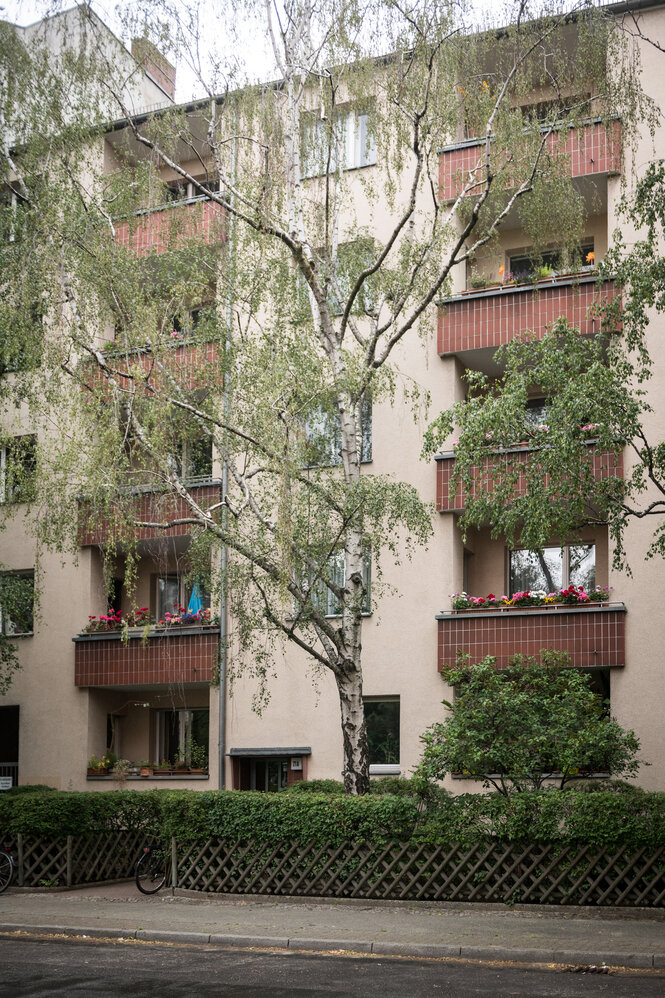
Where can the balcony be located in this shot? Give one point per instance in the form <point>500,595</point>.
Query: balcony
<point>183,656</point>
<point>187,361</point>
<point>594,150</point>
<point>451,499</point>
<point>96,527</point>
<point>594,636</point>
<point>171,226</point>
<point>488,318</point>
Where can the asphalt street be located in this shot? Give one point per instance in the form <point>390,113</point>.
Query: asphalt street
<point>31,968</point>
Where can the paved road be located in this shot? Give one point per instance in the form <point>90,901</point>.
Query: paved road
<point>44,968</point>
<point>485,932</point>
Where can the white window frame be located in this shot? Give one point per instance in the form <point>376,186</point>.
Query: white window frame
<point>386,768</point>
<point>351,132</point>
<point>326,425</point>
<point>185,723</point>
<point>565,561</point>
<point>4,497</point>
<point>5,619</point>
<point>323,598</point>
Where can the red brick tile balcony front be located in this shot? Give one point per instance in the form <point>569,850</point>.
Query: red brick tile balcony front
<point>171,226</point>
<point>593,149</point>
<point>189,364</point>
<point>452,499</point>
<point>490,318</point>
<point>188,655</point>
<point>593,635</point>
<point>148,506</point>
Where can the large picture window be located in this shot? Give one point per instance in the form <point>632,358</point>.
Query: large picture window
<point>181,736</point>
<point>350,136</point>
<point>382,721</point>
<point>553,568</point>
<point>17,600</point>
<point>322,596</point>
<point>324,436</point>
<point>18,467</point>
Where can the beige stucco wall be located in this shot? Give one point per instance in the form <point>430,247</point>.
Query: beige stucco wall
<point>62,725</point>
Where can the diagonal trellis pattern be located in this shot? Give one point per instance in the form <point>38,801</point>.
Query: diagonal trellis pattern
<point>490,871</point>
<point>534,873</point>
<point>84,859</point>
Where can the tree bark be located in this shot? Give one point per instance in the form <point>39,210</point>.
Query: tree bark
<point>354,732</point>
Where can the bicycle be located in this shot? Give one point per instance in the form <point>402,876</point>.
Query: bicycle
<point>152,869</point>
<point>6,868</point>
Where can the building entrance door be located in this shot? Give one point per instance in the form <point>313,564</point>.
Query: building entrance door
<point>9,743</point>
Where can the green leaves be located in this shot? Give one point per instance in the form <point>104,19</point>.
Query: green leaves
<point>515,728</point>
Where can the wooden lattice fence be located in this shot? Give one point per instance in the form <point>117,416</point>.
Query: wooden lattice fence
<point>405,871</point>
<point>76,859</point>
<point>533,873</point>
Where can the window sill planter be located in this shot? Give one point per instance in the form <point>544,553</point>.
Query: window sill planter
<point>146,771</point>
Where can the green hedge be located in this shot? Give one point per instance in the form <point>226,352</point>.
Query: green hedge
<point>595,819</point>
<point>56,813</point>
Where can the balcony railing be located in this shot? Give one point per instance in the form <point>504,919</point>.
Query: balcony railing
<point>488,318</point>
<point>451,497</point>
<point>594,636</point>
<point>188,361</point>
<point>174,656</point>
<point>593,149</point>
<point>172,226</point>
<point>104,527</point>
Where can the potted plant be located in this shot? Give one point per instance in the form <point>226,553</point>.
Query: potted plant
<point>162,768</point>
<point>101,766</point>
<point>145,768</point>
<point>198,759</point>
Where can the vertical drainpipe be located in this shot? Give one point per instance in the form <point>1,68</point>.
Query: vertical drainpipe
<point>223,617</point>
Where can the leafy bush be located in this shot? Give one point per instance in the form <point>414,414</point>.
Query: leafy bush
<point>58,813</point>
<point>604,818</point>
<point>595,819</point>
<point>517,727</point>
<point>316,787</point>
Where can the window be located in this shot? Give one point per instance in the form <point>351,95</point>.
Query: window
<point>17,601</point>
<point>182,190</point>
<point>382,721</point>
<point>324,436</point>
<point>524,264</point>
<point>322,597</point>
<point>194,462</point>
<point>18,465</point>
<point>554,568</point>
<point>181,736</point>
<point>536,412</point>
<point>350,134</point>
<point>23,335</point>
<point>172,593</point>
<point>352,259</point>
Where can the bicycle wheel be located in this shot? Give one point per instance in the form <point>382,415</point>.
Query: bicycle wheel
<point>151,871</point>
<point>6,870</point>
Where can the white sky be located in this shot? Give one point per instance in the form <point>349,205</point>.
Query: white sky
<point>257,50</point>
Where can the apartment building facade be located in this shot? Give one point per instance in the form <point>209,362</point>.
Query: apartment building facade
<point>151,694</point>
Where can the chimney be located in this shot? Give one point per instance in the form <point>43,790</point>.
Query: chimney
<point>157,66</point>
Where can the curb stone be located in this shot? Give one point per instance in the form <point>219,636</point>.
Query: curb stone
<point>639,961</point>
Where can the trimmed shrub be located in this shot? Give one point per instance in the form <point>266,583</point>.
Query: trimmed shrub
<point>599,819</point>
<point>59,813</point>
<point>316,787</point>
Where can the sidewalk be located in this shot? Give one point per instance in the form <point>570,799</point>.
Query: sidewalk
<point>535,934</point>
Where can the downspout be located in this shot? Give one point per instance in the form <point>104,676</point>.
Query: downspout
<point>223,608</point>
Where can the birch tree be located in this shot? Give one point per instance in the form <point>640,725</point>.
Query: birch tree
<point>266,315</point>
